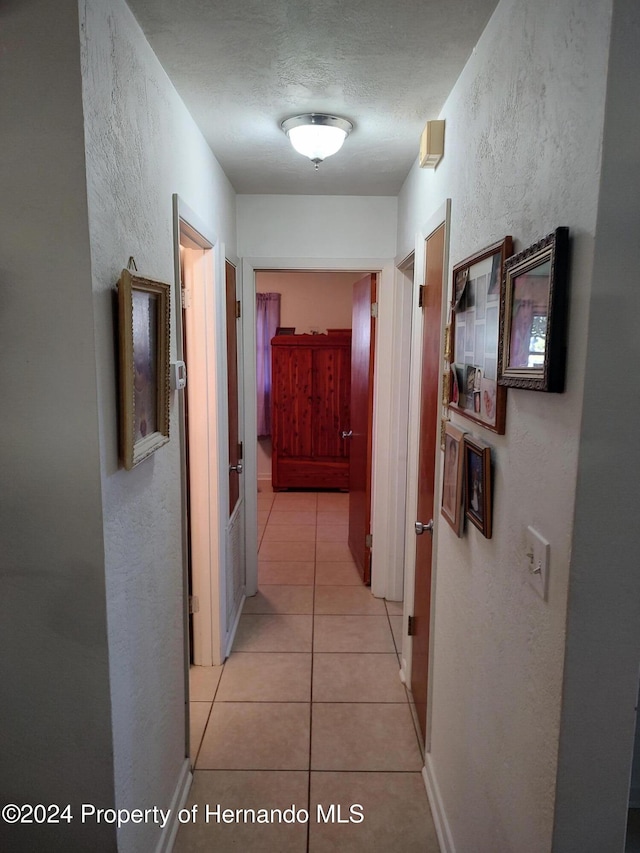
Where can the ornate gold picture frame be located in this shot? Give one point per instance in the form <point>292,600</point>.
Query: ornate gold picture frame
<point>143,326</point>
<point>533,329</point>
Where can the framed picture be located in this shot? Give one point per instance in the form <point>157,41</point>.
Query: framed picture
<point>452,481</point>
<point>144,366</point>
<point>286,330</point>
<point>532,354</point>
<point>475,331</point>
<point>477,485</point>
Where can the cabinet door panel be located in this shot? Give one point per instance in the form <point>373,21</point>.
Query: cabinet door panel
<point>331,392</point>
<point>292,401</point>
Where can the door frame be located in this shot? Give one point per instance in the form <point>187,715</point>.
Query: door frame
<point>383,500</point>
<point>211,640</point>
<point>399,417</point>
<point>441,216</point>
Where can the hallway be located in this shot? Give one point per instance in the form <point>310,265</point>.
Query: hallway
<point>309,708</point>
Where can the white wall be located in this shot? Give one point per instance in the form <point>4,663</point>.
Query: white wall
<point>311,301</point>
<point>523,137</point>
<point>142,146</point>
<point>56,708</point>
<point>298,226</point>
<point>603,621</point>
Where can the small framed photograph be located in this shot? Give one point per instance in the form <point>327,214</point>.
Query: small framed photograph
<point>453,480</point>
<point>488,400</point>
<point>460,283</point>
<point>461,383</point>
<point>455,388</point>
<point>476,307</point>
<point>477,487</point>
<point>532,354</point>
<point>285,330</point>
<point>143,314</point>
<point>470,384</point>
<point>493,289</point>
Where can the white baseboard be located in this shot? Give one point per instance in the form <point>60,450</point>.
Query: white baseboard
<point>234,627</point>
<point>443,830</point>
<point>180,794</point>
<point>403,673</point>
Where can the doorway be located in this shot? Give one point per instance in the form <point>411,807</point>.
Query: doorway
<point>385,501</point>
<point>311,303</point>
<point>210,429</point>
<point>431,305</point>
<point>424,463</point>
<point>320,435</point>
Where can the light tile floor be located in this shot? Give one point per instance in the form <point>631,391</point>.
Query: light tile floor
<point>308,711</point>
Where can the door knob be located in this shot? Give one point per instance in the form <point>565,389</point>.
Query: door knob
<point>237,468</point>
<point>345,434</point>
<point>424,528</point>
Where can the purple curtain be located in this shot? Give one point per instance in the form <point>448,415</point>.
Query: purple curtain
<point>267,321</point>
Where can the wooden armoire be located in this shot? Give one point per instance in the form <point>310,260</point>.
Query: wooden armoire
<point>311,386</point>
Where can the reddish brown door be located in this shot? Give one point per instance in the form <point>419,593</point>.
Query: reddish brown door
<point>361,419</point>
<point>429,429</point>
<point>235,464</point>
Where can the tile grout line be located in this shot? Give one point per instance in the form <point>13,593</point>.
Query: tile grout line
<point>313,618</point>
<point>204,730</point>
<point>265,527</point>
<point>327,771</point>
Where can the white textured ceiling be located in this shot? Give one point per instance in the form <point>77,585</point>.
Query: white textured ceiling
<point>242,66</point>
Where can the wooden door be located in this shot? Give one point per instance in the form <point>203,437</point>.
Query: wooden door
<point>235,453</point>
<point>429,443</point>
<point>361,420</point>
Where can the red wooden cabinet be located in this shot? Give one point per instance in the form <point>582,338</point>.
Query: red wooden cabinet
<point>311,385</point>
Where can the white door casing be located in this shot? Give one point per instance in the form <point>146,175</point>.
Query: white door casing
<point>385,502</point>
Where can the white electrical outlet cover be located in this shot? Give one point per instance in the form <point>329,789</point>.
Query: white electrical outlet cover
<point>538,567</point>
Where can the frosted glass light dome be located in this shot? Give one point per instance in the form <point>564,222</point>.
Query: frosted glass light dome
<point>316,135</point>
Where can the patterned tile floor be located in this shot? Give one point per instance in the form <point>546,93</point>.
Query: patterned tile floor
<point>308,713</point>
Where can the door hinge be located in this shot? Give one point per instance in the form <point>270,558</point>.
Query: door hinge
<point>368,540</point>
<point>421,296</point>
<point>194,604</point>
<point>240,449</point>
<point>185,295</point>
<point>374,310</point>
<point>411,626</point>
<point>238,310</point>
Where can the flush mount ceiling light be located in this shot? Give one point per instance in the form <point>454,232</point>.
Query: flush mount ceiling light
<point>316,135</point>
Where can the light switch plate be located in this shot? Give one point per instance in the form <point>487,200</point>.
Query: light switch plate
<point>536,561</point>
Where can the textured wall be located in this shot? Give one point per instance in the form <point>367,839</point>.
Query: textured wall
<point>55,708</point>
<point>142,146</point>
<point>603,624</point>
<point>311,300</point>
<point>286,226</point>
<point>523,137</point>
